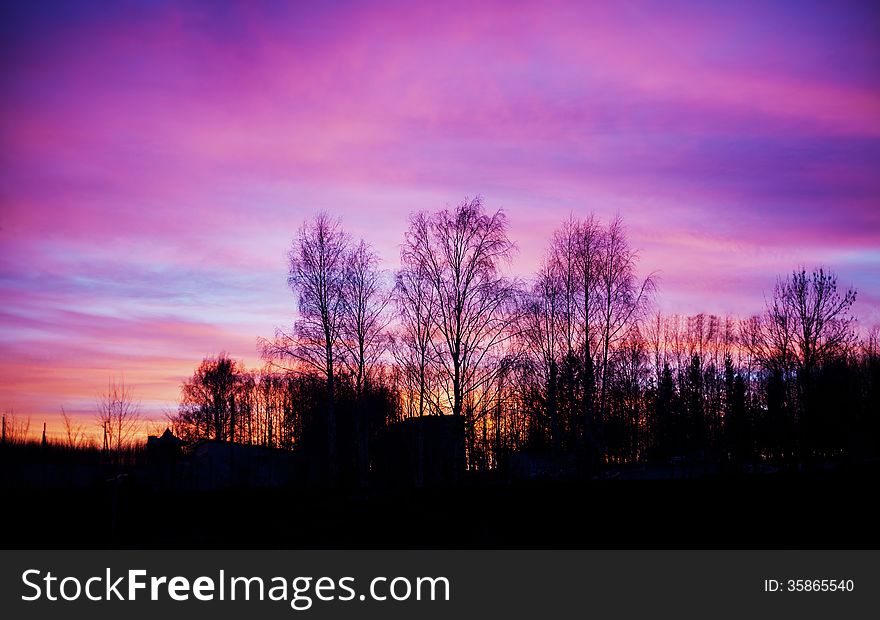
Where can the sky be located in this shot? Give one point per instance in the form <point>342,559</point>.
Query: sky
<point>156,159</point>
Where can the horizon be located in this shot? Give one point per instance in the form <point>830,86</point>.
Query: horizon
<point>158,161</point>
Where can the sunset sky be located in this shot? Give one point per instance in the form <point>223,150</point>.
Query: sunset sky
<point>157,158</point>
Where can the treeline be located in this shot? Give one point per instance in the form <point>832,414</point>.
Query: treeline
<point>573,366</point>
<point>275,408</point>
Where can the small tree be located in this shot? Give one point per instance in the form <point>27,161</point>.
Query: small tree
<point>74,432</point>
<point>118,416</point>
<point>15,428</point>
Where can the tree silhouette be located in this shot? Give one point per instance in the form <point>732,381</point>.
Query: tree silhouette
<point>318,264</point>
<point>211,400</point>
<point>118,416</point>
<point>569,367</point>
<point>458,252</point>
<point>364,300</point>
<point>415,300</point>
<point>73,431</point>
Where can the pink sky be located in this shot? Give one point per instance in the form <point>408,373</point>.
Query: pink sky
<point>157,159</point>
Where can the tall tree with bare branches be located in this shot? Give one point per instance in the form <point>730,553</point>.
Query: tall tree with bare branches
<point>459,251</point>
<point>623,298</point>
<point>544,330</point>
<point>318,267</point>
<point>589,237</point>
<point>364,319</point>
<point>415,299</point>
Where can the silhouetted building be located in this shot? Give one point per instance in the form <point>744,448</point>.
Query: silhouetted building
<point>224,464</point>
<point>167,443</point>
<point>164,467</point>
<point>426,451</point>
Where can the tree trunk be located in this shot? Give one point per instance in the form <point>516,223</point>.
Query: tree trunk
<point>331,424</point>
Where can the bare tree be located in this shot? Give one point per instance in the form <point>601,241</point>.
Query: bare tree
<point>622,297</point>
<point>459,252</point>
<point>544,332</point>
<point>590,240</point>
<point>818,314</point>
<point>415,297</point>
<point>566,261</point>
<point>74,432</point>
<point>364,320</point>
<point>591,246</point>
<point>15,428</point>
<point>118,416</point>
<point>806,320</point>
<point>318,266</point>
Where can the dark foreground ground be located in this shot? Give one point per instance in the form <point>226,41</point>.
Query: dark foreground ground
<point>836,509</point>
